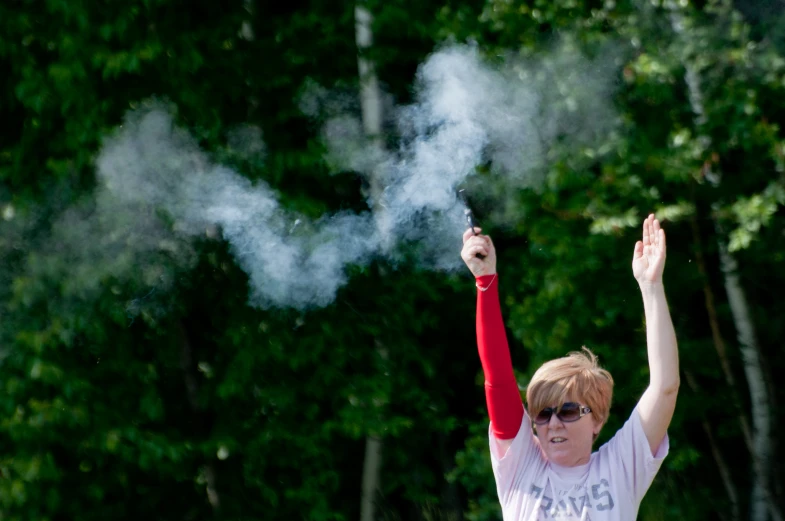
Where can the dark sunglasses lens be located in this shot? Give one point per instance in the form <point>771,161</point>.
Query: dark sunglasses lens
<point>570,412</point>
<point>543,417</point>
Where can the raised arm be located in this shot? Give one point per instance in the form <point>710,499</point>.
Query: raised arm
<point>658,402</point>
<point>505,406</point>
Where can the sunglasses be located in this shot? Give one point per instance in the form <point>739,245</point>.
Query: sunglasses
<point>569,412</point>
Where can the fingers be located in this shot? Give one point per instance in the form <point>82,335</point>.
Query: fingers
<point>655,230</point>
<point>638,251</point>
<point>476,244</point>
<point>478,253</point>
<point>468,233</point>
<point>652,231</point>
<point>647,231</point>
<point>472,251</point>
<point>653,235</point>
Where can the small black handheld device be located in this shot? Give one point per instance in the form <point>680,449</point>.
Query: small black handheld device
<point>467,211</point>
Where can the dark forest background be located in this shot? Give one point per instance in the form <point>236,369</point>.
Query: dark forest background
<point>122,398</point>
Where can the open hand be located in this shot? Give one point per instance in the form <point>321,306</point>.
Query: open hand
<point>482,245</point>
<point>648,259</point>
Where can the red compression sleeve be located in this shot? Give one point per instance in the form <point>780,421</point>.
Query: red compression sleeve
<point>505,406</point>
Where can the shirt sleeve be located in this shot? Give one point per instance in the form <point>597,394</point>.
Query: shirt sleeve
<point>524,458</point>
<point>502,396</point>
<point>632,459</point>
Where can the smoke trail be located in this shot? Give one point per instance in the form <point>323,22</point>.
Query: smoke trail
<point>150,161</point>
<point>65,259</point>
<point>466,113</point>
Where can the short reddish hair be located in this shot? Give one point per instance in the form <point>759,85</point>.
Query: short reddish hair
<point>575,377</point>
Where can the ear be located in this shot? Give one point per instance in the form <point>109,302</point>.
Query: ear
<point>596,430</point>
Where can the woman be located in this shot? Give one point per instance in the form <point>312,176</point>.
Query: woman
<point>544,467</point>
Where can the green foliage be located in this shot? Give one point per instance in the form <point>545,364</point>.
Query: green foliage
<point>140,385</point>
<point>473,472</point>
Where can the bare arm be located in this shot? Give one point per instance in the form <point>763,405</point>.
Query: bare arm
<point>658,402</point>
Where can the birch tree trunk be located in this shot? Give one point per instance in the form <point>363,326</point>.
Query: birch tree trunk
<point>762,503</point>
<point>372,109</point>
<point>371,103</point>
<point>718,339</point>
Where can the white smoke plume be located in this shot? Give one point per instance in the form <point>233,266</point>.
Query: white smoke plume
<point>512,117</point>
<point>150,161</point>
<point>466,113</point>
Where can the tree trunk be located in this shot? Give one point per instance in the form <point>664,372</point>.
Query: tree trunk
<point>372,111</point>
<point>370,94</point>
<point>717,338</point>
<point>761,500</point>
<point>371,102</point>
<point>371,475</point>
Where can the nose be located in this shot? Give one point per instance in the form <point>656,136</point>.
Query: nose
<point>555,422</point>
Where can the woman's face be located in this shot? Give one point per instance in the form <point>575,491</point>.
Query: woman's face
<point>568,444</point>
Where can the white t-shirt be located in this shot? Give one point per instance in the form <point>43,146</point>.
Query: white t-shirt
<point>608,488</point>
